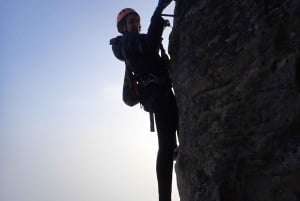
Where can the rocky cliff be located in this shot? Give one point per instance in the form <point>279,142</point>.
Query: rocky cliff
<point>236,72</point>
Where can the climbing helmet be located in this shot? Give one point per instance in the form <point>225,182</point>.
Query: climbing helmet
<point>122,14</point>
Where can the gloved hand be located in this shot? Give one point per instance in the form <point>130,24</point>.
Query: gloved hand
<point>162,4</point>
<point>166,23</point>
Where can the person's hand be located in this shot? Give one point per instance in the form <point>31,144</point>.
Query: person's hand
<point>167,23</point>
<point>162,4</point>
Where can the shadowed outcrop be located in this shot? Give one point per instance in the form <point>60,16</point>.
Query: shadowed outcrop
<point>236,73</point>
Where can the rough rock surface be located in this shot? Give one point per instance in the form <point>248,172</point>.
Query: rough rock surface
<point>236,73</point>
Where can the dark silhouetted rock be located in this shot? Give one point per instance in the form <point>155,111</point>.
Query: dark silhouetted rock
<point>236,73</point>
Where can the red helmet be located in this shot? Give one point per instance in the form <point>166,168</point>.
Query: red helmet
<point>123,13</point>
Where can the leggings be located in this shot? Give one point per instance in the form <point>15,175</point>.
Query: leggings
<point>166,119</point>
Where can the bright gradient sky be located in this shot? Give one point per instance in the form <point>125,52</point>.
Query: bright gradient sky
<point>65,134</point>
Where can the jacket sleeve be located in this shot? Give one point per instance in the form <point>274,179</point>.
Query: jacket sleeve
<point>155,30</point>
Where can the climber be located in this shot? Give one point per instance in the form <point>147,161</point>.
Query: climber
<point>147,79</point>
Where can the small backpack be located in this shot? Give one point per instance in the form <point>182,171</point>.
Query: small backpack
<point>130,89</point>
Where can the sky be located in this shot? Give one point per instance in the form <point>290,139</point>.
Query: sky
<point>65,134</point>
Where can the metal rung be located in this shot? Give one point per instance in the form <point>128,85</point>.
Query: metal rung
<point>167,15</point>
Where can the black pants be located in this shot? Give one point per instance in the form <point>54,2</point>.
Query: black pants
<point>166,119</point>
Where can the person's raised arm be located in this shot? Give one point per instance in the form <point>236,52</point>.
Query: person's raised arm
<point>157,25</point>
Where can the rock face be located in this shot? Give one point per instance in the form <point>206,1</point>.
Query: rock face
<point>236,73</point>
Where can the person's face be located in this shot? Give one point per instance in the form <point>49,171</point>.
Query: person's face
<point>133,23</point>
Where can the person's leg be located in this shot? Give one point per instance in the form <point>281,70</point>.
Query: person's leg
<point>166,129</point>
<point>164,169</point>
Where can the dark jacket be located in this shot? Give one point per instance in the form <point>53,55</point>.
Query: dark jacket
<point>141,51</point>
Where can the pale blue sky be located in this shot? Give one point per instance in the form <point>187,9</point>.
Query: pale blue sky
<point>65,134</point>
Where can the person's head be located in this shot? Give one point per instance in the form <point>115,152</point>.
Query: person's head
<point>128,20</point>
